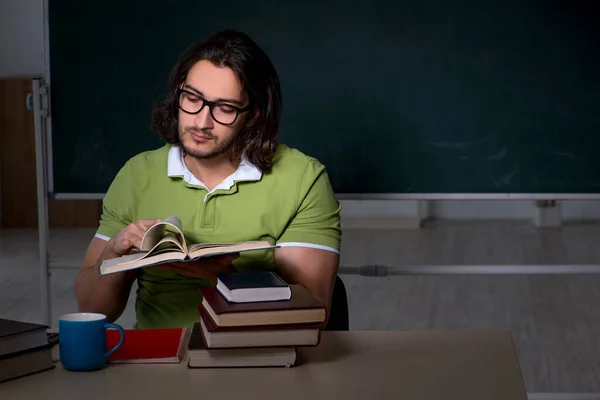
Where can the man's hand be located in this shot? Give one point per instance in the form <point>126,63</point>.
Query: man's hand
<point>205,268</point>
<point>130,237</point>
<point>108,294</point>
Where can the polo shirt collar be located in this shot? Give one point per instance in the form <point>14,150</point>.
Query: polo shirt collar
<point>176,167</point>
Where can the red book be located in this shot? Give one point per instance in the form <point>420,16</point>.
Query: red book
<point>148,346</point>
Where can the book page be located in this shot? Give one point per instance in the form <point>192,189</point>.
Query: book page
<point>199,246</point>
<point>167,243</point>
<point>155,233</point>
<point>217,249</point>
<point>139,260</point>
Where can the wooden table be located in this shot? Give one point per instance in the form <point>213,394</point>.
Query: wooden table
<point>346,365</point>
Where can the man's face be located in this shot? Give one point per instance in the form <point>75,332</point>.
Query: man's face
<point>201,135</point>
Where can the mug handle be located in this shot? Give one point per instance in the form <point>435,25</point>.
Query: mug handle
<point>120,329</point>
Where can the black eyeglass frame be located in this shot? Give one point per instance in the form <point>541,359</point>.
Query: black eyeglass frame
<point>210,105</point>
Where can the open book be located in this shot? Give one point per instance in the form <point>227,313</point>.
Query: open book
<point>164,242</point>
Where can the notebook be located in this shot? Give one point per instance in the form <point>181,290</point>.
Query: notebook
<point>148,346</point>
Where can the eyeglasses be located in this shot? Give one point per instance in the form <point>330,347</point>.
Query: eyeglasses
<point>223,113</point>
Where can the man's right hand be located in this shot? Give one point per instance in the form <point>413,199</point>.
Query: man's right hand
<point>108,294</point>
<point>130,237</point>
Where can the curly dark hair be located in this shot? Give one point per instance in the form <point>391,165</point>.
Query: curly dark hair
<point>259,81</point>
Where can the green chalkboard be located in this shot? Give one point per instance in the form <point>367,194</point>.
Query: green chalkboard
<point>393,96</point>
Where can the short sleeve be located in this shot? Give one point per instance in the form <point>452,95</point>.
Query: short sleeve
<point>316,222</point>
<point>117,205</point>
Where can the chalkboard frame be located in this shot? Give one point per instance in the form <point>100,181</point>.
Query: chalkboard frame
<point>48,179</point>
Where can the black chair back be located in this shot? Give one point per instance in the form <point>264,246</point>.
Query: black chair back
<point>339,319</point>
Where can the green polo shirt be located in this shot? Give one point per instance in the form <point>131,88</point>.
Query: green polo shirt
<point>291,205</point>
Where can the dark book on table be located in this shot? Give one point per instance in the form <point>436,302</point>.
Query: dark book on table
<point>16,336</point>
<point>26,362</point>
<point>247,287</point>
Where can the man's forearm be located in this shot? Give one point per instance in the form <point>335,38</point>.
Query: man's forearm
<point>107,295</point>
<point>314,269</point>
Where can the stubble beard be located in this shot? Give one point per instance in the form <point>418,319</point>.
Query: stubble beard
<point>220,149</point>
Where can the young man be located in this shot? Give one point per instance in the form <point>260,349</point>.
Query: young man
<point>222,172</point>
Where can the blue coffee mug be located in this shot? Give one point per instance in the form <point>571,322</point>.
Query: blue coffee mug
<point>82,341</point>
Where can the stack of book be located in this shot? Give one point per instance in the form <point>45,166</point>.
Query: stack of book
<point>24,349</point>
<point>254,319</point>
